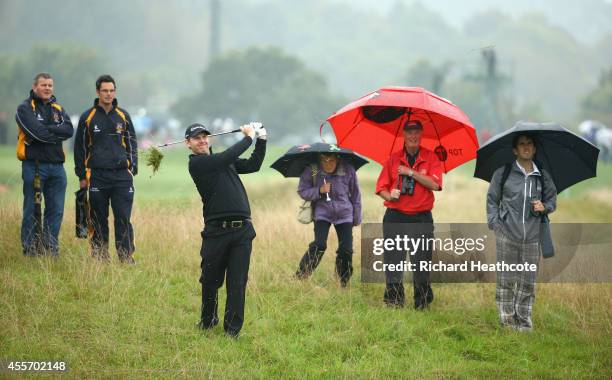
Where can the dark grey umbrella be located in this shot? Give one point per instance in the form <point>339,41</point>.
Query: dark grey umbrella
<point>81,213</point>
<point>567,157</point>
<point>38,223</point>
<point>292,163</point>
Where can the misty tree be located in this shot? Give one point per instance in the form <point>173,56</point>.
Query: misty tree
<point>261,84</point>
<point>427,75</point>
<point>74,69</point>
<point>597,104</point>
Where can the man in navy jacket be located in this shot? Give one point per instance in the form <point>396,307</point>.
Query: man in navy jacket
<point>106,161</point>
<point>43,125</point>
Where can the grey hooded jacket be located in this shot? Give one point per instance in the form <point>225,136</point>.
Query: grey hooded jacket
<point>509,212</point>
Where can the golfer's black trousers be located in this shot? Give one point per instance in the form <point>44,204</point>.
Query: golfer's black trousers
<point>120,195</point>
<point>226,253</point>
<point>419,226</point>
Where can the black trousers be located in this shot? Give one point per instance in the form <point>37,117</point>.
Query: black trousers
<point>121,198</point>
<point>316,249</point>
<point>344,232</point>
<point>414,227</point>
<point>226,253</point>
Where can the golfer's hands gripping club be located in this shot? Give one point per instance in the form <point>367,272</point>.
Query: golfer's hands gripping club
<point>248,130</point>
<point>260,131</point>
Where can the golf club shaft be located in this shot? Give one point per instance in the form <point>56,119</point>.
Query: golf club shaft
<point>214,134</point>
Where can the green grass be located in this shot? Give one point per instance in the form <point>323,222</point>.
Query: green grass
<point>110,320</point>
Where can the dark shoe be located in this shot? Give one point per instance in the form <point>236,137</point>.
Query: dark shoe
<point>128,259</point>
<point>423,295</point>
<point>100,252</point>
<point>102,257</point>
<point>207,325</point>
<point>344,267</point>
<point>309,262</point>
<point>394,295</point>
<point>430,296</point>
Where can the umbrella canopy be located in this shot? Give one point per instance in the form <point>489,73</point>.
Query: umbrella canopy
<point>373,125</point>
<point>38,223</point>
<point>567,157</point>
<point>81,213</point>
<point>292,163</point>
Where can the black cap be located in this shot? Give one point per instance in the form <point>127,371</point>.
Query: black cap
<point>413,124</point>
<point>195,129</point>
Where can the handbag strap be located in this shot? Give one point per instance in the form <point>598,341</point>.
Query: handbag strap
<point>314,171</point>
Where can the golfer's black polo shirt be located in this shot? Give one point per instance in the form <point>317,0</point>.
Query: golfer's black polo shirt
<point>217,181</point>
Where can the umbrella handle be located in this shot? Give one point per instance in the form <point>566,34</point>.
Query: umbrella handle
<point>328,199</point>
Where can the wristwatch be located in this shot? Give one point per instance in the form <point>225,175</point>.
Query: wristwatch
<point>410,172</point>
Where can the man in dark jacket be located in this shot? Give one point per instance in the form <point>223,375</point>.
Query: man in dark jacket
<point>515,205</point>
<point>228,232</point>
<point>106,160</point>
<point>43,125</point>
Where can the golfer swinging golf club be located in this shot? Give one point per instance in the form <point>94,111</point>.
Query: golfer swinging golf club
<point>228,232</point>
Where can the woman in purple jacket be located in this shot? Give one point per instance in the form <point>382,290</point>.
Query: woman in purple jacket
<point>333,189</point>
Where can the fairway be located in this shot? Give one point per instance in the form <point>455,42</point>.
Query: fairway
<point>111,320</point>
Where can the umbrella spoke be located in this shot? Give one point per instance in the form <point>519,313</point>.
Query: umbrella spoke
<point>355,124</point>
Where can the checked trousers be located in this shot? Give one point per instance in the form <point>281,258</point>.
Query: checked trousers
<point>515,291</point>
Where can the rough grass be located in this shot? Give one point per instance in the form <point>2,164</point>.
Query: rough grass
<point>112,320</point>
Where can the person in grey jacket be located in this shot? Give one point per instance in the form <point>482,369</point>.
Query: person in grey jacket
<point>514,211</point>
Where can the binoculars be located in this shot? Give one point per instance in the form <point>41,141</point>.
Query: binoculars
<point>407,185</point>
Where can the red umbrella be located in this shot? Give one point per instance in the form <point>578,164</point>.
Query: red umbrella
<point>373,125</point>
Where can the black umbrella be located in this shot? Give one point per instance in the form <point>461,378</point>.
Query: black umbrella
<point>81,213</point>
<point>38,223</point>
<point>292,163</point>
<point>567,157</point>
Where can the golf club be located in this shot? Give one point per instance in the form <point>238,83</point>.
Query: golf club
<point>214,134</point>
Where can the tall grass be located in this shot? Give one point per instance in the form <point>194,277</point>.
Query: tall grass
<point>112,320</point>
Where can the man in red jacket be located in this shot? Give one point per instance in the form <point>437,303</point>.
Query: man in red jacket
<point>406,183</point>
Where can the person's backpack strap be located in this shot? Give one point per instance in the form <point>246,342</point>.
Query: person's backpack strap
<point>541,179</point>
<point>504,177</point>
<point>90,116</point>
<point>88,134</point>
<point>314,171</point>
<point>121,115</point>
